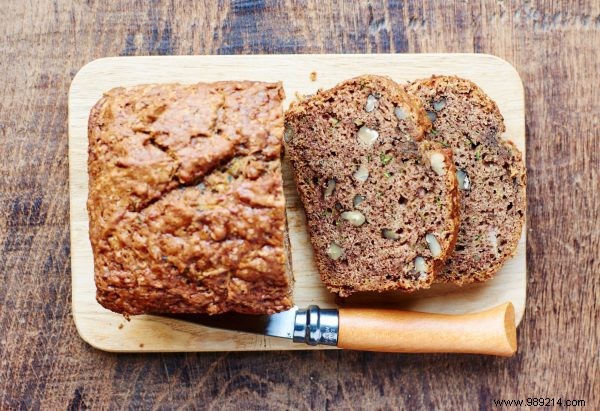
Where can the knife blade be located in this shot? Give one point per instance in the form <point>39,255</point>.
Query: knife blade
<point>312,326</point>
<point>491,332</point>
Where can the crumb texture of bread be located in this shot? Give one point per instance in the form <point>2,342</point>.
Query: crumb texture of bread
<point>186,205</point>
<point>490,172</point>
<point>381,203</point>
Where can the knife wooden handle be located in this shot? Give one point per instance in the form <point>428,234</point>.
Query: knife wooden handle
<point>490,332</point>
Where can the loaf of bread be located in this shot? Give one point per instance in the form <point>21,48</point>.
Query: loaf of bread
<point>381,205</point>
<point>490,172</point>
<point>185,202</point>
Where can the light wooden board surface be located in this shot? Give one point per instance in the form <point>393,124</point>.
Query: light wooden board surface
<point>108,331</point>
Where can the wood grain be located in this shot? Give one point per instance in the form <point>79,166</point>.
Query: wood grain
<point>108,331</point>
<point>45,364</point>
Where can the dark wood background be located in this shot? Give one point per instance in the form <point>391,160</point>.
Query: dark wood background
<point>555,47</point>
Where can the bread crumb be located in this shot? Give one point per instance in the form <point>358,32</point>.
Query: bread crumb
<point>313,76</point>
<point>299,96</point>
<point>141,345</point>
<point>120,326</point>
<point>347,100</point>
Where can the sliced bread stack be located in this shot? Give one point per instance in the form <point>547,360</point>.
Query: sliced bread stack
<point>381,202</point>
<point>377,167</point>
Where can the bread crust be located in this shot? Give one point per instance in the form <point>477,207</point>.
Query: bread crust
<point>454,208</point>
<point>186,205</point>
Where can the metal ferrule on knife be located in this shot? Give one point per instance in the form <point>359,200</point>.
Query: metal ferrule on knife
<point>315,326</point>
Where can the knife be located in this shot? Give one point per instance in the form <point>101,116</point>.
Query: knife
<point>491,332</point>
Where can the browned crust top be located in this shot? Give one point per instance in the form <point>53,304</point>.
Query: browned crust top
<point>185,198</point>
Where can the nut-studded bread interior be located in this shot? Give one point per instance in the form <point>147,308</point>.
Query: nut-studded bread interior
<point>490,172</point>
<point>381,204</point>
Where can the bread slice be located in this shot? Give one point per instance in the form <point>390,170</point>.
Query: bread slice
<point>490,171</point>
<point>186,205</point>
<point>381,204</point>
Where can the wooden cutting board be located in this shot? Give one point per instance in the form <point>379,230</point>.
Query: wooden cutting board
<point>108,331</point>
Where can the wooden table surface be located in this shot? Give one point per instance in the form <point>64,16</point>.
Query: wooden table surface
<point>555,48</point>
